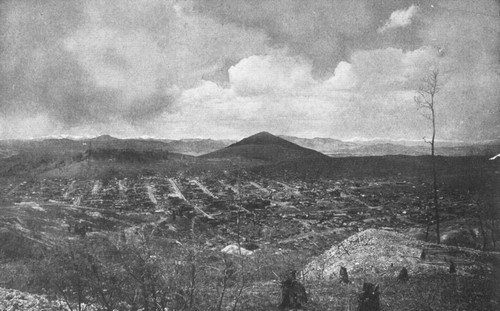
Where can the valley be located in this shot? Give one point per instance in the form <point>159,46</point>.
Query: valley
<point>269,199</point>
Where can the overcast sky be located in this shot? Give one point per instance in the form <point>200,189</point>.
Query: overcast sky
<point>231,68</point>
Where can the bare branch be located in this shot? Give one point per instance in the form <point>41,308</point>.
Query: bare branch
<point>426,115</point>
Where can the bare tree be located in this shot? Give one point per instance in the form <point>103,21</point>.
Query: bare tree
<point>426,103</point>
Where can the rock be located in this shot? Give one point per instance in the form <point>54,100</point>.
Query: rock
<point>459,237</point>
<point>11,299</point>
<point>233,249</point>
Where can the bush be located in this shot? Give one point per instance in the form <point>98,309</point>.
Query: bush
<point>15,246</point>
<point>142,271</point>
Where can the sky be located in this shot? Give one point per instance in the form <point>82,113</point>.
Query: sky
<point>220,69</point>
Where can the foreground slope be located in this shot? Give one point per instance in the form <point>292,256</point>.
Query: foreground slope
<point>377,256</point>
<point>267,147</point>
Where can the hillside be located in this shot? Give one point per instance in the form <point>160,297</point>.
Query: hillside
<point>267,147</point>
<point>380,166</point>
<point>95,162</point>
<point>66,145</point>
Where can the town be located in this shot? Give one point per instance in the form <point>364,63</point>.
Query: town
<point>291,213</point>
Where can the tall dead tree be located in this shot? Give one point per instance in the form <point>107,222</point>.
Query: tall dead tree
<point>426,103</point>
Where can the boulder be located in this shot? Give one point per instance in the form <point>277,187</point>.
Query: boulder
<point>233,249</point>
<point>459,237</point>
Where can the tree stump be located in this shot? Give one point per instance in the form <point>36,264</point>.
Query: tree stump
<point>453,268</point>
<point>422,255</point>
<point>344,278</point>
<point>293,293</point>
<point>369,299</point>
<point>403,275</point>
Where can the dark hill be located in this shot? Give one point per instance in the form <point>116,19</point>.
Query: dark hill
<point>265,138</point>
<point>267,147</point>
<point>104,138</point>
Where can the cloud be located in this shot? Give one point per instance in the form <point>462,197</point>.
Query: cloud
<point>210,68</point>
<point>266,93</point>
<point>282,74</point>
<point>392,69</point>
<point>314,29</point>
<point>399,18</point>
<point>470,66</point>
<point>266,74</point>
<point>343,78</point>
<point>372,93</point>
<point>96,61</point>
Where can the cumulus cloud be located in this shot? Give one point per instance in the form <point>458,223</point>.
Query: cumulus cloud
<point>270,74</point>
<point>265,92</point>
<point>343,78</point>
<point>399,18</point>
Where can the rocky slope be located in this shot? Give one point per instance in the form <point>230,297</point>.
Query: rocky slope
<point>377,252</point>
<point>11,300</point>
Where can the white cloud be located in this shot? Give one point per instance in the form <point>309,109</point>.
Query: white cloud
<point>343,78</point>
<point>265,74</point>
<point>399,18</point>
<point>265,92</point>
<point>207,90</point>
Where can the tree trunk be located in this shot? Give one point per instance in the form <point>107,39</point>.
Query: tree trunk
<point>483,232</point>
<point>493,232</point>
<point>429,223</point>
<point>434,175</point>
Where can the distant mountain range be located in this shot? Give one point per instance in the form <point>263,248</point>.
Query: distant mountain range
<point>339,148</point>
<point>197,147</point>
<point>193,147</point>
